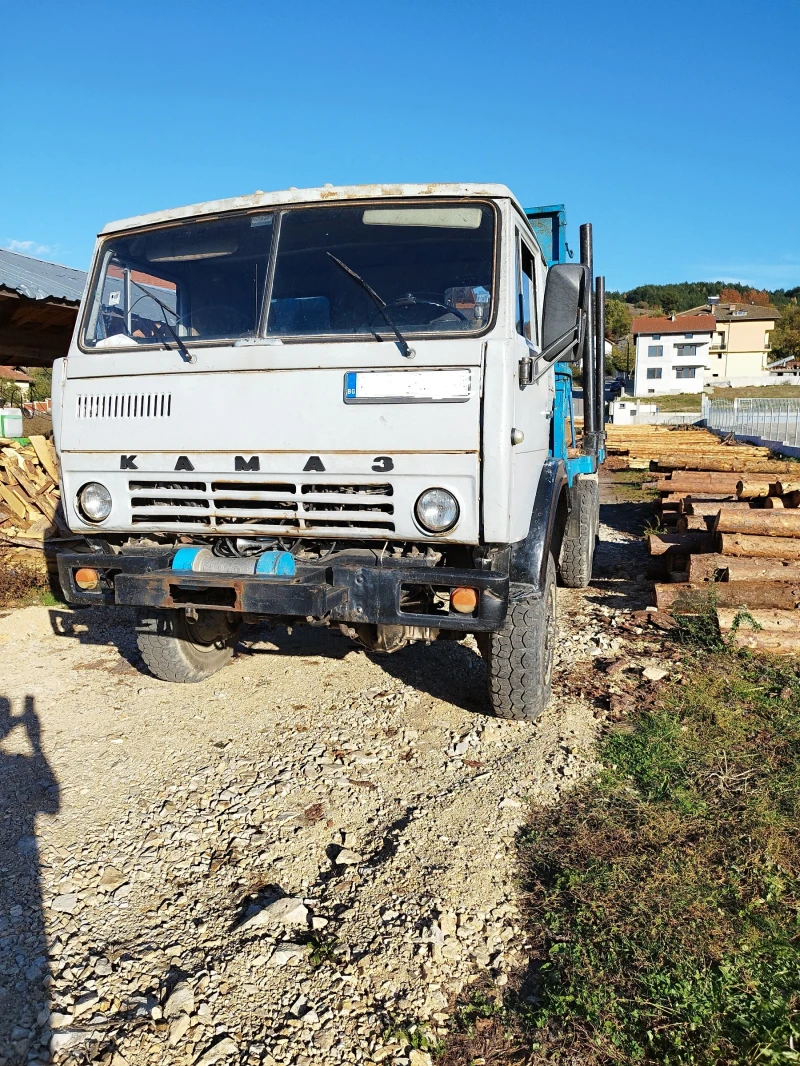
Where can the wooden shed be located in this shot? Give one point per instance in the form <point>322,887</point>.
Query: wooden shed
<point>38,306</point>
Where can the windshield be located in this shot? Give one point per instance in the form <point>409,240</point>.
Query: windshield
<point>206,279</point>
<point>430,265</point>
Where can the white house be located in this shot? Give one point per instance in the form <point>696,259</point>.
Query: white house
<point>672,354</point>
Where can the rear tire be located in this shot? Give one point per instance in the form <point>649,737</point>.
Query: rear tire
<point>519,657</point>
<point>177,649</point>
<point>580,534</point>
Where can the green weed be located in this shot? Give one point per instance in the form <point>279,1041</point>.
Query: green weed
<point>414,1035</point>
<point>321,950</point>
<point>665,894</point>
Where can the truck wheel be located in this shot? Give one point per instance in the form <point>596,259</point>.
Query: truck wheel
<point>176,648</point>
<point>519,657</point>
<point>580,535</point>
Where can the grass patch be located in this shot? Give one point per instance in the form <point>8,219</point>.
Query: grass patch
<point>665,894</point>
<point>682,401</point>
<point>690,401</point>
<point>786,392</point>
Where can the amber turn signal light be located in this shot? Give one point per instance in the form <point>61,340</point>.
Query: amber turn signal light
<point>87,579</point>
<point>464,600</point>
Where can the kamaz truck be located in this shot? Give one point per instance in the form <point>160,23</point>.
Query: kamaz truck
<point>343,406</point>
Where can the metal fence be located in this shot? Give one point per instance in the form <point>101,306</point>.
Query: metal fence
<point>770,419</point>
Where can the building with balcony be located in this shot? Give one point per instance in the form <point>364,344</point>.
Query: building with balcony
<point>740,347</point>
<point>672,354</point>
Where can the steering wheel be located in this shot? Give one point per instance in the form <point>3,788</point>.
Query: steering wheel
<point>410,299</point>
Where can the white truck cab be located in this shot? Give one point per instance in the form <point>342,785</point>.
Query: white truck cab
<point>340,405</point>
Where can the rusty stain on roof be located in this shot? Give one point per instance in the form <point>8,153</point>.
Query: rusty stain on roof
<point>259,199</point>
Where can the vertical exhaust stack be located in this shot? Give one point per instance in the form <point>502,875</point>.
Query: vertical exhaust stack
<point>588,372</point>
<point>600,360</point>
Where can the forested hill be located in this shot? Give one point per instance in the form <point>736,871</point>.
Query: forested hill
<point>680,296</point>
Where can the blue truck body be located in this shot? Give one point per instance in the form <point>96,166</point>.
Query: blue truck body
<point>550,226</point>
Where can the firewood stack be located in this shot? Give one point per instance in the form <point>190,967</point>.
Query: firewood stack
<point>731,541</point>
<point>30,499</point>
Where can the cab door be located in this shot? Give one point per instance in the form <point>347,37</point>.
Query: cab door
<point>533,404</point>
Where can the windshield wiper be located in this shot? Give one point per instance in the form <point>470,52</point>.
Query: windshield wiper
<point>402,343</point>
<point>190,357</point>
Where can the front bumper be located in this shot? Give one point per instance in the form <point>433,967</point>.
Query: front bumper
<point>345,592</point>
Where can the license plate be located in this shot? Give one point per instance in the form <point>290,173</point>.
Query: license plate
<point>407,386</point>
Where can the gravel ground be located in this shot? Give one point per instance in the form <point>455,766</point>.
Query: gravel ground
<point>286,863</point>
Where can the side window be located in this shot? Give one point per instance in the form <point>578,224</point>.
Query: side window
<point>527,309</point>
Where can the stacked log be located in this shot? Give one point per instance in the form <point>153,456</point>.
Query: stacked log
<point>679,447</point>
<point>730,543</point>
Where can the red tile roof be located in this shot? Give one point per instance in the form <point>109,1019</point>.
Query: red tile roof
<point>687,324</point>
<point>8,373</point>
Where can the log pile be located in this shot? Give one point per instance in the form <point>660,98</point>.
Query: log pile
<point>683,448</point>
<point>30,500</point>
<point>731,543</point>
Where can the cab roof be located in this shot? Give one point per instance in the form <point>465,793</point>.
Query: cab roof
<point>308,196</point>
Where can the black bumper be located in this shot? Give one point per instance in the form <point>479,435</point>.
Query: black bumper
<point>351,593</point>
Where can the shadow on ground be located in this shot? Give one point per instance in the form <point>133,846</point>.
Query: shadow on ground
<point>28,788</point>
<point>446,670</point>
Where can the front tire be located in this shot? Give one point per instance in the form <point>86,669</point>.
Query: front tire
<point>178,649</point>
<point>519,657</point>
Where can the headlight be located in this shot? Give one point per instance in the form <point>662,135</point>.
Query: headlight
<point>437,510</point>
<point>94,502</point>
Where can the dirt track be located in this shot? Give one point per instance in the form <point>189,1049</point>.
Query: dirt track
<point>147,831</point>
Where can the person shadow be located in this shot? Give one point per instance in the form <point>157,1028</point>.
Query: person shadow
<point>28,788</point>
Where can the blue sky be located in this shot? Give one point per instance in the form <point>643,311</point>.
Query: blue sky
<point>673,127</point>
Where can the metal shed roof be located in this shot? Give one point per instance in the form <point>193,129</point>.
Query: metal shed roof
<point>39,280</point>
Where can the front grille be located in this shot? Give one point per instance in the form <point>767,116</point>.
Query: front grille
<point>257,506</point>
<point>124,405</point>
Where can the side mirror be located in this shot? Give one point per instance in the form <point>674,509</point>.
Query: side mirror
<point>566,307</point>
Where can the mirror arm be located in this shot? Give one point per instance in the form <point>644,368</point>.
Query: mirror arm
<point>560,345</point>
<point>571,337</point>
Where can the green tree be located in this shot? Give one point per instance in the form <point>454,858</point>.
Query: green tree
<point>785,338</point>
<point>41,388</point>
<point>618,320</point>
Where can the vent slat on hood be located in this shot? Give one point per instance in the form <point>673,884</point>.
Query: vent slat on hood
<point>124,405</point>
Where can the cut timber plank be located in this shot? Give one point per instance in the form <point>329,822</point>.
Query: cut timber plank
<point>761,523</point>
<point>725,568</point>
<point>693,505</point>
<point>693,541</point>
<point>770,620</point>
<point>769,642</point>
<point>45,453</point>
<point>753,488</point>
<point>783,595</point>
<point>755,547</point>
<point>700,482</point>
<point>743,466</point>
<point>14,501</point>
<point>687,522</point>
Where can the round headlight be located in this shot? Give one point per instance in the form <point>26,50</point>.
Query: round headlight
<point>94,502</point>
<point>437,510</point>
